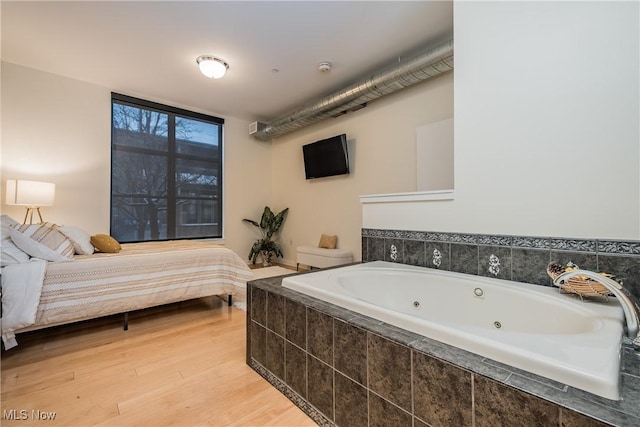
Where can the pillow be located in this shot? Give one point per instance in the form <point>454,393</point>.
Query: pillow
<point>5,222</point>
<point>328,242</point>
<point>42,241</point>
<point>105,243</point>
<point>79,238</point>
<point>11,254</point>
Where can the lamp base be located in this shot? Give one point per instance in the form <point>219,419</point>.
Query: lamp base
<point>29,215</point>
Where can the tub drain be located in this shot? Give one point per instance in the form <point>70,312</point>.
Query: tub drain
<point>497,324</point>
<point>416,304</point>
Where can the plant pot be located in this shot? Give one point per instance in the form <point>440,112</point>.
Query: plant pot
<point>266,259</point>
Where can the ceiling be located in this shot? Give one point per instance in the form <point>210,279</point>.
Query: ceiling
<point>149,48</point>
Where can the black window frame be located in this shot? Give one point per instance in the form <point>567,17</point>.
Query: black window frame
<point>173,156</point>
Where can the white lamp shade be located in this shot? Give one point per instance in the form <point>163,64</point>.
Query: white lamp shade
<point>30,193</point>
<point>212,67</point>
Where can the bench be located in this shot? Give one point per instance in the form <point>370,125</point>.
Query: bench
<point>321,257</point>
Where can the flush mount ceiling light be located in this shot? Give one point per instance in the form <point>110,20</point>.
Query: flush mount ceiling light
<point>212,67</point>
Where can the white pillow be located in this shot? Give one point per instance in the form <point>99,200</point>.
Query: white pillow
<point>11,254</point>
<point>5,222</point>
<point>80,239</point>
<point>42,241</point>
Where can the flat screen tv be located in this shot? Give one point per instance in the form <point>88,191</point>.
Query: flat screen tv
<point>327,157</point>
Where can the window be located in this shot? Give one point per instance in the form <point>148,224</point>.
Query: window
<point>166,172</point>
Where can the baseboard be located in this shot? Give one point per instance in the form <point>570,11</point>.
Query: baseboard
<point>287,262</point>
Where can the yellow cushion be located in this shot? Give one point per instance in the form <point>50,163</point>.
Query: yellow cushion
<point>328,242</point>
<point>105,243</point>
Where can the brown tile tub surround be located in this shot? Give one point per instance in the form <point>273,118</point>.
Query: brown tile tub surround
<point>389,370</point>
<point>345,369</point>
<point>442,392</point>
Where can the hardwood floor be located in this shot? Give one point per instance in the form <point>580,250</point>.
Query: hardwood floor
<point>177,365</point>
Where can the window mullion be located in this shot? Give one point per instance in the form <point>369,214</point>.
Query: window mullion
<point>171,179</point>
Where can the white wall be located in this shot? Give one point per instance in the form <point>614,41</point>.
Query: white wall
<point>247,185</point>
<point>382,140</point>
<point>59,130</point>
<point>547,125</point>
<point>434,156</point>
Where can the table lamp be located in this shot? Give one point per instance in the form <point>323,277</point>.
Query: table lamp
<point>30,194</point>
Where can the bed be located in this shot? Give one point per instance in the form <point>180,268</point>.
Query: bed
<point>38,293</point>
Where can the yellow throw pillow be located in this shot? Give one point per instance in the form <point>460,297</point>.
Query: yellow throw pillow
<point>105,243</point>
<point>328,242</point>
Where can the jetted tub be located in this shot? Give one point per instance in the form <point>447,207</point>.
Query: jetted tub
<point>534,328</point>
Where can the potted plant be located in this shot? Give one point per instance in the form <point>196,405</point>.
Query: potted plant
<point>268,226</point>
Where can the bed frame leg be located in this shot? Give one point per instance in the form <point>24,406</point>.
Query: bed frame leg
<point>125,326</point>
<point>229,300</point>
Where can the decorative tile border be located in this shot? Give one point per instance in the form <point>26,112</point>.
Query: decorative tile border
<point>530,242</point>
<point>574,245</point>
<point>621,247</point>
<point>437,237</point>
<point>463,238</point>
<point>294,397</point>
<point>630,247</point>
<point>494,240</point>
<point>519,258</point>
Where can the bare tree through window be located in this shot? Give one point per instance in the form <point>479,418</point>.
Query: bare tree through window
<point>166,172</point>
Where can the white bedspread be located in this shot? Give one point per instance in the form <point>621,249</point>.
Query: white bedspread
<point>21,289</point>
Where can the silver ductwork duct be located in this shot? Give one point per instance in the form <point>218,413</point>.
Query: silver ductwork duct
<point>431,63</point>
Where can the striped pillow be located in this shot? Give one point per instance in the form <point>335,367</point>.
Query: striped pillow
<point>42,241</point>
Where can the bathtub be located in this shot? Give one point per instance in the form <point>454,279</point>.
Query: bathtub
<point>530,327</point>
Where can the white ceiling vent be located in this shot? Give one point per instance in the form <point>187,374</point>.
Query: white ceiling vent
<point>256,127</point>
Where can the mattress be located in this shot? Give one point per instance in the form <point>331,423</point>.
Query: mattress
<point>141,275</point>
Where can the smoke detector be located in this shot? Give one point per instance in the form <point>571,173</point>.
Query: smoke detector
<point>324,67</point>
